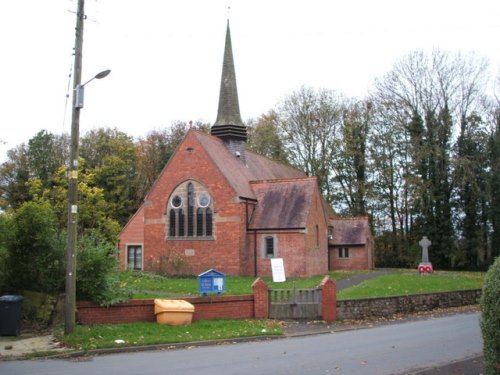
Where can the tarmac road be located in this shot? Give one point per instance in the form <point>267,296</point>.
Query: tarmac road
<point>389,349</point>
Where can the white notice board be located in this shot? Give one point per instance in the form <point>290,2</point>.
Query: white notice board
<point>278,270</point>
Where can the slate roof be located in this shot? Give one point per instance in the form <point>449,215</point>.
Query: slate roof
<point>238,173</point>
<point>350,231</point>
<point>283,204</point>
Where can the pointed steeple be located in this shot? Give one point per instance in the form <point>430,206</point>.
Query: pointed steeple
<point>228,125</point>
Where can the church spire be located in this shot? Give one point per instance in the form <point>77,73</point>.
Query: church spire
<point>228,125</point>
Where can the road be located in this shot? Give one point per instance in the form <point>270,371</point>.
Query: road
<point>390,349</point>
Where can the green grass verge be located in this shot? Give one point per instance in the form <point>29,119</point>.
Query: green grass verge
<point>137,334</point>
<point>405,283</point>
<point>148,285</point>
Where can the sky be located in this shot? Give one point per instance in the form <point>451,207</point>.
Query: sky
<point>166,56</point>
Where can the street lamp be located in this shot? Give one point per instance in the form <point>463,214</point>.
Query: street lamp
<point>80,89</point>
<point>70,296</point>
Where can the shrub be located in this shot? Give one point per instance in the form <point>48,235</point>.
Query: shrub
<point>95,276</point>
<point>36,251</point>
<point>490,322</point>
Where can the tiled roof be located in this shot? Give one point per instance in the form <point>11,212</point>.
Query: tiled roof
<point>237,173</point>
<point>283,204</point>
<point>350,231</point>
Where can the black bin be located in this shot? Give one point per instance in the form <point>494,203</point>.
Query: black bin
<point>10,315</point>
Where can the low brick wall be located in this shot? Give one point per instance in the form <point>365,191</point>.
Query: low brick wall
<point>256,306</point>
<point>220,307</point>
<point>383,307</point>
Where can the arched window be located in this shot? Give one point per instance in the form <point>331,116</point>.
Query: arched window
<point>190,212</point>
<point>208,221</point>
<point>190,209</point>
<point>269,241</point>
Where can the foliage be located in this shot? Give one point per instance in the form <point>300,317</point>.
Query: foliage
<point>40,159</point>
<point>154,151</point>
<point>93,209</point>
<point>14,173</point>
<point>5,238</point>
<point>490,318</point>
<point>264,137</point>
<point>138,334</point>
<point>309,122</point>
<point>96,272</point>
<point>110,157</point>
<point>38,307</point>
<point>412,283</point>
<point>36,250</point>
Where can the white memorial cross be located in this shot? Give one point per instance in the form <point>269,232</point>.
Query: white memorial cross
<point>425,243</point>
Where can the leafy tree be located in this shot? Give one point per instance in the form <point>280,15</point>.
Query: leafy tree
<point>46,154</point>
<point>494,182</point>
<point>40,159</point>
<point>36,251</point>
<point>14,173</point>
<point>309,122</point>
<point>110,156</point>
<point>5,238</point>
<point>471,176</point>
<point>93,210</point>
<point>351,161</point>
<point>154,151</point>
<point>264,137</point>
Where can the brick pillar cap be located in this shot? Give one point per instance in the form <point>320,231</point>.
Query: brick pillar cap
<point>258,282</point>
<point>326,280</point>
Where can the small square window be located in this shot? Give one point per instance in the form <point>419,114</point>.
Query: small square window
<point>343,252</point>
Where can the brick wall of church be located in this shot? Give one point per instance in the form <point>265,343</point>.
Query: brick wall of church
<point>358,259</point>
<point>316,240</point>
<point>133,234</point>
<point>191,162</point>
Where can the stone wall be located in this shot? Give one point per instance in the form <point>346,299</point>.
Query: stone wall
<point>383,307</point>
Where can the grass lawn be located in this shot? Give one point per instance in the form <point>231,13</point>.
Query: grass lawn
<point>404,283</point>
<point>148,285</point>
<point>137,334</point>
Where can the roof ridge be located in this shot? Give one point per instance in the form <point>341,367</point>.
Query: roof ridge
<point>278,180</point>
<point>350,217</point>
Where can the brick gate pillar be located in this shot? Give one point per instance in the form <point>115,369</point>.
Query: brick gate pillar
<point>261,299</point>
<point>328,299</point>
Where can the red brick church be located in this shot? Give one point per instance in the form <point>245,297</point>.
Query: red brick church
<point>218,205</point>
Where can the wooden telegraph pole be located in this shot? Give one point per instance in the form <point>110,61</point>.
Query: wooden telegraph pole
<point>70,297</point>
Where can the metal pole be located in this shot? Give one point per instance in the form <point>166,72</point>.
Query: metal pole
<point>70,297</point>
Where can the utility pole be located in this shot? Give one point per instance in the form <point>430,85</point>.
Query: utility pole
<point>70,296</point>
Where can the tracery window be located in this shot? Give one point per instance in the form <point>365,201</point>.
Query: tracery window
<point>190,213</point>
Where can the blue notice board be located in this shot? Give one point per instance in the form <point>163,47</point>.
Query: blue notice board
<point>211,281</point>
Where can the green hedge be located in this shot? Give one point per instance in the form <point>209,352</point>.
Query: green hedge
<point>490,322</point>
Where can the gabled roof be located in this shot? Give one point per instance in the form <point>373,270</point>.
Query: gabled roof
<point>283,204</point>
<point>350,231</point>
<point>238,173</point>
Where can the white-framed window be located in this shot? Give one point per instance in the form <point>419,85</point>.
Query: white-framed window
<point>134,257</point>
<point>343,253</point>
